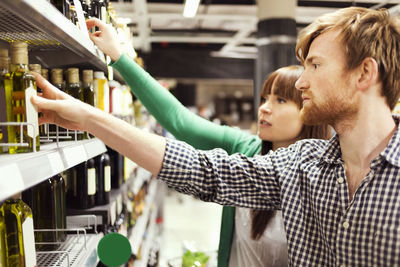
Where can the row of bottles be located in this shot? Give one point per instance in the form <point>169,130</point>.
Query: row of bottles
<point>101,9</point>
<point>18,84</point>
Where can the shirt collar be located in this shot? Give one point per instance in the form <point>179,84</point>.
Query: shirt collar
<point>392,151</point>
<point>333,155</point>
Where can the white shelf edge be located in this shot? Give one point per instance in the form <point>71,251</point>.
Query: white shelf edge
<point>21,171</point>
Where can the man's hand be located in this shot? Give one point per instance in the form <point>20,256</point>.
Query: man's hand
<point>58,107</point>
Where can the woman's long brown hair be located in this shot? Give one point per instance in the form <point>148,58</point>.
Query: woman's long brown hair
<point>281,82</point>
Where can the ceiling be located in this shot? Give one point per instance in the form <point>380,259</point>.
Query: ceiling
<point>219,25</point>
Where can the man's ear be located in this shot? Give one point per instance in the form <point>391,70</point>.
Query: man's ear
<point>367,73</point>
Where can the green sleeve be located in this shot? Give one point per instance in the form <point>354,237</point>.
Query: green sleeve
<point>177,119</point>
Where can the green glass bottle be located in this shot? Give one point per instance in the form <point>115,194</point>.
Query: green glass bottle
<point>73,88</point>
<point>3,248</point>
<point>42,199</point>
<point>87,87</point>
<point>5,99</point>
<point>61,206</point>
<point>23,87</point>
<point>19,233</point>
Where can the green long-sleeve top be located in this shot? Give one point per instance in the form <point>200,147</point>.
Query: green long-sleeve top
<point>191,128</point>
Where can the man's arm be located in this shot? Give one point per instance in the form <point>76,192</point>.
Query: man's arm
<point>146,149</point>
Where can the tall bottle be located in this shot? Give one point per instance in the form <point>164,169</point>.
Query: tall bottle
<point>6,114</point>
<point>86,185</point>
<point>38,69</point>
<point>61,205</point>
<point>101,91</point>
<point>42,199</point>
<point>24,87</point>
<point>3,248</point>
<point>87,87</point>
<point>103,183</point>
<point>19,233</point>
<point>117,168</point>
<point>73,87</point>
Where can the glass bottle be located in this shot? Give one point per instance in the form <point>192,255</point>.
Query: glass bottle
<point>87,87</point>
<point>86,185</point>
<point>6,114</point>
<point>103,182</point>
<point>73,87</point>
<point>23,87</point>
<point>45,74</point>
<point>57,78</point>
<point>101,91</point>
<point>42,199</point>
<point>3,248</point>
<point>19,233</point>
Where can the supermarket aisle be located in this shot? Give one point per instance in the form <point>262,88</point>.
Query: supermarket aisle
<point>191,220</point>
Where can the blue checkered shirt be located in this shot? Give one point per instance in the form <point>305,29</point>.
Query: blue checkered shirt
<point>307,181</point>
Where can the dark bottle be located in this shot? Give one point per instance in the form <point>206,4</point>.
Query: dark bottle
<point>117,168</point>
<point>73,87</point>
<point>103,183</point>
<point>86,185</point>
<point>43,201</point>
<point>71,182</point>
<point>87,87</point>
<point>61,205</point>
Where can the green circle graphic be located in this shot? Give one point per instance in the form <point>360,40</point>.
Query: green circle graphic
<point>114,249</point>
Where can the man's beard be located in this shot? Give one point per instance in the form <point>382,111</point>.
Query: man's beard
<point>331,112</point>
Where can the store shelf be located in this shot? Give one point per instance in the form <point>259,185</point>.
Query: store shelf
<point>139,229</point>
<point>50,35</point>
<point>148,241</point>
<point>105,214</point>
<point>21,171</point>
<point>77,250</point>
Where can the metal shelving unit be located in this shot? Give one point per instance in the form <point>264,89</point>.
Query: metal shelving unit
<point>21,171</point>
<point>76,251</point>
<point>50,35</point>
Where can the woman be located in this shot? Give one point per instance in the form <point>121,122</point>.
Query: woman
<point>279,125</point>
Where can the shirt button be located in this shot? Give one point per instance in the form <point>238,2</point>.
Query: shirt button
<point>346,225</point>
<point>340,180</point>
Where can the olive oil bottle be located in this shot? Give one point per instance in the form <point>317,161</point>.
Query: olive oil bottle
<point>87,87</point>
<point>5,99</point>
<point>23,88</point>
<point>19,233</point>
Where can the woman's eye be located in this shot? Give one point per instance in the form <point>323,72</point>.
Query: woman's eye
<point>315,66</point>
<point>281,100</point>
<point>263,100</point>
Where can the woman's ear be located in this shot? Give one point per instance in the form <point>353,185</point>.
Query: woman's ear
<point>368,74</point>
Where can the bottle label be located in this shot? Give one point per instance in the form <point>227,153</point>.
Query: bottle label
<point>31,113</point>
<point>29,242</point>
<point>91,181</point>
<point>107,178</point>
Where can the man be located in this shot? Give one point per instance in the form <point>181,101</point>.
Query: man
<point>339,198</point>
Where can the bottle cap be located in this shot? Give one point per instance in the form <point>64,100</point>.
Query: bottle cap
<point>56,76</point>
<point>87,76</point>
<point>35,67</point>
<point>4,60</point>
<point>99,75</point>
<point>73,75</point>
<point>19,53</point>
<point>45,73</point>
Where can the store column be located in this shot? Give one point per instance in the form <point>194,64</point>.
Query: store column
<point>276,40</point>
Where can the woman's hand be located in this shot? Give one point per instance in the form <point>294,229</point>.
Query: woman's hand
<point>59,108</point>
<point>105,38</point>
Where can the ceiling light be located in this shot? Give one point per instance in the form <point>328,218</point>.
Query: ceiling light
<point>190,8</point>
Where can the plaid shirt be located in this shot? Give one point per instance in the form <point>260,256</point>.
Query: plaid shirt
<point>307,181</point>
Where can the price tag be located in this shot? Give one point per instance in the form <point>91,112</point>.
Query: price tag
<point>81,18</point>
